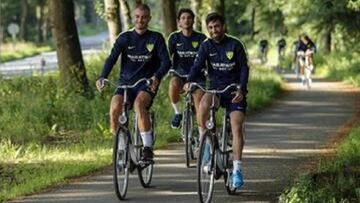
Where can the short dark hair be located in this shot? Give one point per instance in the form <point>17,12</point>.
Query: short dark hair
<point>185,10</point>
<point>143,7</point>
<point>214,17</point>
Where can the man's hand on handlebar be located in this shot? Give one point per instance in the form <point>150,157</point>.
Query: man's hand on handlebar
<point>100,84</point>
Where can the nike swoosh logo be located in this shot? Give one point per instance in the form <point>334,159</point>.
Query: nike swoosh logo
<point>178,44</point>
<point>213,54</point>
<point>131,47</point>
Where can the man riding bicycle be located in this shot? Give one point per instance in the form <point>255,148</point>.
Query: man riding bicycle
<point>263,48</point>
<point>143,55</point>
<point>227,63</point>
<point>308,48</point>
<point>281,43</point>
<point>183,47</point>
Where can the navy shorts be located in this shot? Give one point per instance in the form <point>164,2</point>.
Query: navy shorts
<point>225,102</point>
<point>132,93</point>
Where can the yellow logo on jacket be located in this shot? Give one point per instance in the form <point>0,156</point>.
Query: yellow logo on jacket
<point>195,44</point>
<point>150,47</point>
<point>229,54</point>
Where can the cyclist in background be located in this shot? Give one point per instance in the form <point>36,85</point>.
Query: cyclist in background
<point>263,48</point>
<point>307,46</point>
<point>183,47</point>
<point>281,43</point>
<point>227,61</point>
<point>143,55</point>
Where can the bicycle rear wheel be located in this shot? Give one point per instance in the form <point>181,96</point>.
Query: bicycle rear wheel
<point>187,130</point>
<point>121,163</point>
<point>205,168</point>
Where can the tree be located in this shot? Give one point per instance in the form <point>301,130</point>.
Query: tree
<point>23,20</point>
<point>125,13</point>
<point>169,17</point>
<point>112,13</point>
<point>71,65</point>
<point>195,7</point>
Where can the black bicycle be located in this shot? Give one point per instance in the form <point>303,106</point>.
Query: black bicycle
<point>127,149</point>
<point>214,158</point>
<point>189,131</point>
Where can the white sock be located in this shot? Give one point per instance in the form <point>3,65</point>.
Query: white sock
<point>176,107</point>
<point>147,138</point>
<point>201,132</point>
<point>311,67</point>
<point>236,165</point>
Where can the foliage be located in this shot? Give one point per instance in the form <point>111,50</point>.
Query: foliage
<point>14,51</point>
<point>336,179</point>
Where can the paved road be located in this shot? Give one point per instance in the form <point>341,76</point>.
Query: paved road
<point>279,140</point>
<point>32,65</point>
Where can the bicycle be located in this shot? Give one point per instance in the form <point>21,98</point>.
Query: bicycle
<point>214,158</point>
<point>127,149</point>
<point>307,68</point>
<point>188,130</point>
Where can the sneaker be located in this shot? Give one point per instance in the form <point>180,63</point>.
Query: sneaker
<point>206,155</point>
<point>176,121</point>
<point>237,180</point>
<point>147,156</point>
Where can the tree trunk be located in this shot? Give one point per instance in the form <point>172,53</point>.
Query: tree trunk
<point>125,13</point>
<point>112,13</point>
<point>137,2</point>
<point>253,23</point>
<point>195,7</point>
<point>40,23</point>
<point>169,16</point>
<point>71,65</point>
<point>327,40</point>
<point>89,11</point>
<point>23,20</point>
<point>220,8</point>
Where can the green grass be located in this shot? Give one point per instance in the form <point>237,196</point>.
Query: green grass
<point>336,179</point>
<point>19,50</point>
<point>91,29</point>
<point>48,136</point>
<point>340,65</point>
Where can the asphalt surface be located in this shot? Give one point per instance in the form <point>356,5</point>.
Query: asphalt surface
<point>280,140</point>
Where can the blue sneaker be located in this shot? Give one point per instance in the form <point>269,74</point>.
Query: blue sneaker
<point>176,121</point>
<point>237,179</point>
<point>206,156</point>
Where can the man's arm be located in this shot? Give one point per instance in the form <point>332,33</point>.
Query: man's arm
<point>118,47</point>
<point>163,55</point>
<point>244,67</point>
<point>199,63</point>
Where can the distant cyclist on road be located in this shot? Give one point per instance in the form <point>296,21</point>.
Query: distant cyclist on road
<point>306,46</point>
<point>143,55</point>
<point>263,48</point>
<point>281,43</point>
<point>227,63</point>
<point>183,47</point>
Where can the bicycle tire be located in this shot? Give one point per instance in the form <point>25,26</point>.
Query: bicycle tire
<point>205,168</point>
<point>121,164</point>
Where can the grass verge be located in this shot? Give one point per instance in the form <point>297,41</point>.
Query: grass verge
<point>19,50</point>
<point>336,179</point>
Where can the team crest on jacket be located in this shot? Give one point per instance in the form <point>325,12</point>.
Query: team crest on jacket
<point>229,54</point>
<point>195,44</point>
<point>150,47</point>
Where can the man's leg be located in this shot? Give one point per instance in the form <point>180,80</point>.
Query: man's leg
<point>197,95</point>
<point>237,119</point>
<point>141,104</point>
<point>115,111</point>
<point>175,87</point>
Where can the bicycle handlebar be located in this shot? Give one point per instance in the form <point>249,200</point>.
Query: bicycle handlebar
<point>238,87</point>
<point>173,71</point>
<point>148,82</point>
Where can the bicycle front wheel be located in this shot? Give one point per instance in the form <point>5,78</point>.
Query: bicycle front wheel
<point>206,168</point>
<point>121,163</point>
